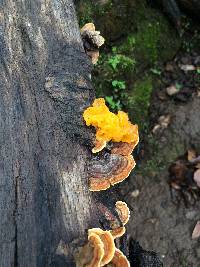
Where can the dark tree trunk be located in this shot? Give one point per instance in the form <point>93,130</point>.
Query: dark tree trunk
<point>174,8</point>
<point>45,86</point>
<point>191,6</point>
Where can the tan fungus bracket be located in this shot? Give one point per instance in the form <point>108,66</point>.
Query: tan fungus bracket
<point>92,40</point>
<point>108,170</point>
<point>123,211</point>
<point>124,215</point>
<point>122,148</point>
<point>100,249</point>
<point>119,260</point>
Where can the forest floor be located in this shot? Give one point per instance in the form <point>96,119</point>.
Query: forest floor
<point>156,221</point>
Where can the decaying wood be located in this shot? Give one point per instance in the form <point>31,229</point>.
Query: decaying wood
<point>45,86</point>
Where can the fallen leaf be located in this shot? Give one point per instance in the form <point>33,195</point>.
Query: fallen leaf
<point>172,90</point>
<point>164,120</point>
<point>179,170</point>
<point>196,231</point>
<point>169,67</point>
<point>156,128</point>
<point>197,177</point>
<point>135,193</point>
<point>161,95</point>
<point>191,154</point>
<point>187,67</point>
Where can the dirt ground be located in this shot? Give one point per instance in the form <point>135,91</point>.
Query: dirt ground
<point>156,222</point>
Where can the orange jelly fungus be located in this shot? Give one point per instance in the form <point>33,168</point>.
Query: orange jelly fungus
<point>110,126</point>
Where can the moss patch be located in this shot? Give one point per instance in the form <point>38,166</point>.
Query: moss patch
<point>155,39</point>
<point>139,100</point>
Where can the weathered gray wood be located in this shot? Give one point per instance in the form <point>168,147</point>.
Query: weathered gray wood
<point>44,86</point>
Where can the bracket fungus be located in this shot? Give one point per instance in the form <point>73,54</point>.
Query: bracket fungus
<point>118,232</point>
<point>92,253</point>
<point>92,40</point>
<point>119,260</point>
<point>123,148</point>
<point>108,244</point>
<point>123,211</point>
<point>110,126</point>
<point>100,251</point>
<point>124,215</point>
<point>108,169</point>
<point>109,217</point>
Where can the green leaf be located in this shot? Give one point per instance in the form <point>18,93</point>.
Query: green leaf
<point>119,84</point>
<point>178,86</point>
<point>156,71</point>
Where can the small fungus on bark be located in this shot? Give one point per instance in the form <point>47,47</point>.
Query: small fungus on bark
<point>124,215</point>
<point>118,232</point>
<point>99,145</point>
<point>92,40</point>
<point>108,169</point>
<point>92,253</point>
<point>100,251</point>
<point>123,148</point>
<point>119,260</point>
<point>123,211</point>
<point>110,126</point>
<point>108,244</point>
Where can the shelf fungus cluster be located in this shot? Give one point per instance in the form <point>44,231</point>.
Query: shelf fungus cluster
<point>107,167</point>
<point>100,249</point>
<point>110,168</point>
<point>92,40</point>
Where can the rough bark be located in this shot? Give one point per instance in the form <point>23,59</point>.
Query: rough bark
<point>45,86</point>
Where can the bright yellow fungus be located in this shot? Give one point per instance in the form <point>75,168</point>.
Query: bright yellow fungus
<point>110,126</point>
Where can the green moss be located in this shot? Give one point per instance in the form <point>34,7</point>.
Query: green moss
<point>169,151</point>
<point>155,39</point>
<point>138,100</point>
<point>85,12</point>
